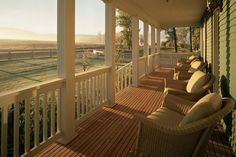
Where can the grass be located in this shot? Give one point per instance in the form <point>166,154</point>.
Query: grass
<point>20,73</point>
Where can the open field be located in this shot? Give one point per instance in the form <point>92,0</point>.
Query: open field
<point>6,45</point>
<point>15,74</point>
<point>26,62</point>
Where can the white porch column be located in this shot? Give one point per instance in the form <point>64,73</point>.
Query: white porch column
<point>152,57</point>
<point>66,47</point>
<point>158,38</point>
<point>110,26</point>
<point>152,39</point>
<point>216,61</point>
<point>145,45</point>
<point>135,51</point>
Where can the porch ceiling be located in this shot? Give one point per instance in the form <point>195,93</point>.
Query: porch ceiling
<point>165,13</point>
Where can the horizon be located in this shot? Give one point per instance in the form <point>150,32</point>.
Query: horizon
<point>18,21</point>
<point>20,17</point>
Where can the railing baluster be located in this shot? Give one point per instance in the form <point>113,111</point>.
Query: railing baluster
<point>122,79</point>
<point>27,124</point>
<point>4,131</point>
<point>16,128</point>
<point>118,81</point>
<point>95,91</point>
<point>36,122</point>
<point>45,117</point>
<point>125,77</point>
<point>87,97</point>
<point>100,88</point>
<point>59,111</point>
<point>78,100</point>
<point>105,87</point>
<point>83,96</point>
<point>90,94</point>
<point>53,113</point>
<point>130,74</point>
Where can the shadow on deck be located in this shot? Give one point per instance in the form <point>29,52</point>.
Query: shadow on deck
<point>111,132</point>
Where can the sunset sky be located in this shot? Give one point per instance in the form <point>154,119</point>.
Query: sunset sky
<point>40,16</point>
<point>37,19</point>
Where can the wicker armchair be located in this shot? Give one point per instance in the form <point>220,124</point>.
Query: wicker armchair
<point>160,139</point>
<point>187,60</point>
<point>198,85</point>
<point>186,63</point>
<point>185,72</point>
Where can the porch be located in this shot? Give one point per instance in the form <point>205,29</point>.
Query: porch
<point>91,113</point>
<point>113,131</point>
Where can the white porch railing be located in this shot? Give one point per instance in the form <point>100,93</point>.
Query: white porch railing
<point>169,60</point>
<point>30,118</point>
<point>142,66</point>
<point>91,91</point>
<point>153,62</point>
<point>123,77</point>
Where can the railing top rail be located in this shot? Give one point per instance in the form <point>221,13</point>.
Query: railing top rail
<point>153,54</point>
<point>8,96</point>
<point>92,73</point>
<point>48,49</point>
<point>178,53</point>
<point>126,65</point>
<point>142,58</point>
<point>26,50</point>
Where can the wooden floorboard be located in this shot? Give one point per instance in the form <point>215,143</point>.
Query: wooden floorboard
<point>112,132</point>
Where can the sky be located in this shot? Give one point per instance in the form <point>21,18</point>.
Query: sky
<point>40,16</point>
<point>37,19</point>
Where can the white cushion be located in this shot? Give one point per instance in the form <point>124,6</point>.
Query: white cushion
<point>166,116</point>
<point>196,82</point>
<point>206,106</point>
<point>194,66</point>
<point>192,57</point>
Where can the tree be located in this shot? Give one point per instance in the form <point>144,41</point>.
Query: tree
<point>170,36</point>
<point>191,41</point>
<point>183,37</point>
<point>196,38</point>
<point>124,21</point>
<point>85,62</point>
<point>175,40</point>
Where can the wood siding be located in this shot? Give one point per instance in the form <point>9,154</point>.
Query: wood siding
<point>209,40</point>
<point>227,47</point>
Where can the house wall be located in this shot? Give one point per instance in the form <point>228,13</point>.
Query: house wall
<point>227,50</point>
<point>227,58</point>
<point>209,41</point>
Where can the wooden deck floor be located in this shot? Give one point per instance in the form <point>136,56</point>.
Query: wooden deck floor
<point>111,132</point>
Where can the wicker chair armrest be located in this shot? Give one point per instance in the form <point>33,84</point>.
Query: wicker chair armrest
<point>183,94</point>
<point>155,139</point>
<point>177,104</point>
<point>184,75</point>
<point>175,91</point>
<point>180,84</point>
<point>177,69</point>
